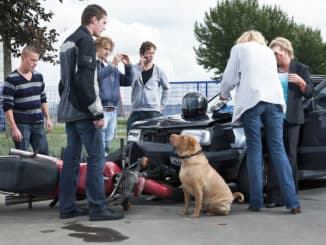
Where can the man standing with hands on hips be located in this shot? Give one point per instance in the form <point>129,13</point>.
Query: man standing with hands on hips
<point>81,110</point>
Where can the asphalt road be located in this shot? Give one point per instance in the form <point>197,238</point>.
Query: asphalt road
<point>160,222</point>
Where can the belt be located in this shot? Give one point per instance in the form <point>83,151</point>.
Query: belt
<point>108,108</point>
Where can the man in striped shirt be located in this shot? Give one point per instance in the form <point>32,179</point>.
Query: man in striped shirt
<point>25,105</point>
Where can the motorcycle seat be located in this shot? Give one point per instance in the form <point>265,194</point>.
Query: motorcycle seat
<point>28,175</point>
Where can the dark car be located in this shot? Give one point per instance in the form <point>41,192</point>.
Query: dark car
<point>223,143</point>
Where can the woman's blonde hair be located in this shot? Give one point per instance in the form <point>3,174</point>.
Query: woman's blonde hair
<point>284,44</point>
<point>251,36</point>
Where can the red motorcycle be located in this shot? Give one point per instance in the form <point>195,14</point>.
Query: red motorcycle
<point>26,177</point>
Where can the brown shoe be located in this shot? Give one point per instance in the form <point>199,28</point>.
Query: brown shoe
<point>295,210</point>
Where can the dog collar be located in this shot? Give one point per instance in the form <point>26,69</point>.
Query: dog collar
<point>191,155</point>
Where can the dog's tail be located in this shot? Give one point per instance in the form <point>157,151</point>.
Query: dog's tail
<point>238,197</point>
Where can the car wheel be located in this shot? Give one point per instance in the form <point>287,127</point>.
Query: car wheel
<point>243,180</point>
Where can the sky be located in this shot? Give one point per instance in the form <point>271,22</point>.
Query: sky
<point>167,23</point>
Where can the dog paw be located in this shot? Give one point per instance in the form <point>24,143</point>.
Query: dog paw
<point>185,211</point>
<point>194,215</point>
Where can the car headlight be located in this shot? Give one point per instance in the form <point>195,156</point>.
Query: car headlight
<point>134,135</point>
<point>202,135</point>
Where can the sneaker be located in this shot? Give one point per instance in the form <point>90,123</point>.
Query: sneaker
<point>75,213</point>
<point>107,214</point>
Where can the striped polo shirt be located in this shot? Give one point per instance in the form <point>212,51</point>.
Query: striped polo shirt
<point>24,97</point>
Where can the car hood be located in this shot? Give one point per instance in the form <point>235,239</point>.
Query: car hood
<point>171,121</point>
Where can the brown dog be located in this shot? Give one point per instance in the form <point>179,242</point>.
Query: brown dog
<point>200,180</point>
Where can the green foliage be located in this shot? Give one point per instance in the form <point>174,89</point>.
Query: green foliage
<point>224,23</point>
<point>20,24</point>
<point>57,139</point>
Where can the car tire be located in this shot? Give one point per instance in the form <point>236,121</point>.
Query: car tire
<point>243,180</point>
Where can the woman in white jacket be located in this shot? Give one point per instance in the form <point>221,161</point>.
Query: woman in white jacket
<point>252,70</point>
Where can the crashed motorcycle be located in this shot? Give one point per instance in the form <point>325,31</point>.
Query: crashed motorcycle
<point>26,177</point>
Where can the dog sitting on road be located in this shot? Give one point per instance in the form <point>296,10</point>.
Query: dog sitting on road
<point>200,180</point>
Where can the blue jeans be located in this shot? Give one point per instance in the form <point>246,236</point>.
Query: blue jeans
<point>110,125</point>
<point>81,133</point>
<point>271,116</point>
<point>34,134</point>
<point>141,115</point>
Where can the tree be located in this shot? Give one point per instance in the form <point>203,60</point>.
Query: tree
<point>224,23</point>
<point>23,22</point>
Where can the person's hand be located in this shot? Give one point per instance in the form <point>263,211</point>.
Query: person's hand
<point>16,135</point>
<point>296,79</point>
<point>48,126</point>
<point>143,61</point>
<point>222,98</point>
<point>125,59</point>
<point>99,123</point>
<point>116,59</point>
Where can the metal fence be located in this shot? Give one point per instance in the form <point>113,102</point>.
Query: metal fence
<point>2,116</point>
<point>177,91</point>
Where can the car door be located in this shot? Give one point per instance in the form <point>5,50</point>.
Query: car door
<point>312,144</point>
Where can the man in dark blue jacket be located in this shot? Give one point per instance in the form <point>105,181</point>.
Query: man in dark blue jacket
<point>110,79</point>
<point>80,108</point>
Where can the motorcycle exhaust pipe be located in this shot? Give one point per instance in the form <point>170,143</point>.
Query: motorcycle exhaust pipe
<point>29,154</point>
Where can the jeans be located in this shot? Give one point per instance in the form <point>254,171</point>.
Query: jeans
<point>271,116</point>
<point>81,133</point>
<point>141,115</point>
<point>34,134</point>
<point>291,134</point>
<point>110,125</point>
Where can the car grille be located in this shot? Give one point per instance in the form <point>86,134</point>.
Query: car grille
<point>158,136</point>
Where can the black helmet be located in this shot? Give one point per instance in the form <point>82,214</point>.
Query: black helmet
<point>194,106</point>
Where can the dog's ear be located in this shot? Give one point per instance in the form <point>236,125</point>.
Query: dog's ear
<point>192,141</point>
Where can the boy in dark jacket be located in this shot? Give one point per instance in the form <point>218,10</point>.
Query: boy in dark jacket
<point>80,108</point>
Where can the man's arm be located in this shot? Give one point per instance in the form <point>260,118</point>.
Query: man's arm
<point>14,131</point>
<point>165,89</point>
<point>8,106</point>
<point>126,79</point>
<point>45,110</point>
<point>86,80</point>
